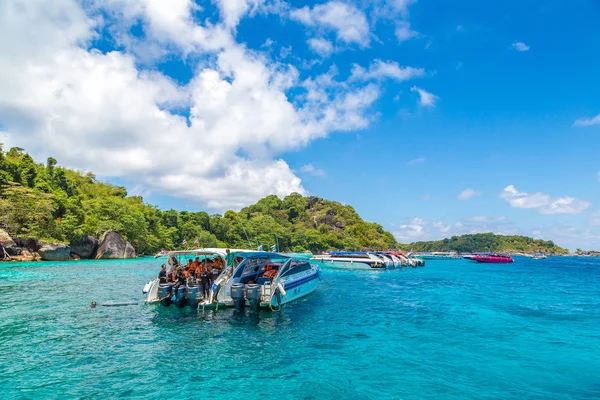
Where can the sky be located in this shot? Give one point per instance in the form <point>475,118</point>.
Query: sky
<point>432,118</point>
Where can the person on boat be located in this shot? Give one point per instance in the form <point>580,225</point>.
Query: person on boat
<point>162,275</point>
<point>179,279</point>
<point>229,261</point>
<point>205,281</point>
<point>174,273</point>
<point>189,265</point>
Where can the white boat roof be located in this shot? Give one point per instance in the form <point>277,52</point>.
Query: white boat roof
<point>206,251</point>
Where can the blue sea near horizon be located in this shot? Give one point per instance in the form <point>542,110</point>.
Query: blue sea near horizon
<point>451,330</point>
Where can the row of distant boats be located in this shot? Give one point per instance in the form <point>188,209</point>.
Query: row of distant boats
<point>481,257</point>
<point>260,279</point>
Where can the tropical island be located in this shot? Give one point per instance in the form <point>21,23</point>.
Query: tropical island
<point>53,213</point>
<point>488,242</point>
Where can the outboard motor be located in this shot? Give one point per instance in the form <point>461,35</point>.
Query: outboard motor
<point>191,294</point>
<point>237,294</point>
<point>164,294</point>
<point>180,297</point>
<point>253,295</point>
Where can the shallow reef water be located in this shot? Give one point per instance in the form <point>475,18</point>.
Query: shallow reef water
<point>450,330</point>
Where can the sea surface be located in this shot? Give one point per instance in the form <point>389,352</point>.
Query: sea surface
<point>450,330</point>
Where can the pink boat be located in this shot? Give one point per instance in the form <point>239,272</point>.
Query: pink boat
<point>493,258</point>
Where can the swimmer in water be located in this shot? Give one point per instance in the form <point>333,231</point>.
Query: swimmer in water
<point>93,304</point>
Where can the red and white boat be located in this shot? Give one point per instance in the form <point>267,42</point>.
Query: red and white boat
<point>493,258</point>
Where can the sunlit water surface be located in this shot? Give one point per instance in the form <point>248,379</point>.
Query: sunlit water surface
<point>451,330</point>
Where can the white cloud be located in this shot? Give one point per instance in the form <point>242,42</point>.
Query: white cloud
<point>518,199</point>
<point>322,47</point>
<point>412,231</point>
<point>416,161</point>
<point>468,193</point>
<point>310,169</point>
<point>426,99</point>
<point>404,32</point>
<point>565,205</point>
<point>481,218</point>
<point>587,121</point>
<point>102,112</point>
<point>543,202</point>
<point>391,9</point>
<point>520,46</point>
<point>347,21</point>
<point>379,69</point>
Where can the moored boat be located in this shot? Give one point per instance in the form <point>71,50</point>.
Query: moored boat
<point>493,258</point>
<point>351,260</point>
<point>257,279</point>
<point>438,255</point>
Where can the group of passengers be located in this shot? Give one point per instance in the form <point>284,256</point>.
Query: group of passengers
<point>196,272</point>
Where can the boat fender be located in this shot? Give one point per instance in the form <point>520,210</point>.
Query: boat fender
<point>319,275</point>
<point>280,287</point>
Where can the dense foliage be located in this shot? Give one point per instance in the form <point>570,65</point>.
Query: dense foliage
<point>488,242</point>
<point>60,205</point>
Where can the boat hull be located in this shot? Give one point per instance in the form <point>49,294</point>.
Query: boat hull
<point>339,264</point>
<point>494,260</point>
<point>296,290</point>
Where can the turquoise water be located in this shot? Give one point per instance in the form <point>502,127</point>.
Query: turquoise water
<point>451,330</point>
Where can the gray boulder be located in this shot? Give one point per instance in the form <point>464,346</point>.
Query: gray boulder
<point>6,240</point>
<point>112,245</point>
<point>29,243</point>
<point>86,247</point>
<point>8,247</point>
<point>55,252</point>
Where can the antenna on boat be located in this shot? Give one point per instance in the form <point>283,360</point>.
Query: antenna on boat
<point>242,225</point>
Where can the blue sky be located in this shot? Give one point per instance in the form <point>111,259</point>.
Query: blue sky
<point>432,118</point>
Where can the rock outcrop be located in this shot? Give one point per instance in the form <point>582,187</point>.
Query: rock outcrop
<point>8,247</point>
<point>25,256</point>
<point>5,239</point>
<point>55,252</point>
<point>85,248</point>
<point>31,244</point>
<point>112,245</point>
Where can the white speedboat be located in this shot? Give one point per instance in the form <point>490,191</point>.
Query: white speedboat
<point>258,279</point>
<point>351,260</point>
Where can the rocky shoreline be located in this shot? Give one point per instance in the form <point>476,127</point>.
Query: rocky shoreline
<point>111,245</point>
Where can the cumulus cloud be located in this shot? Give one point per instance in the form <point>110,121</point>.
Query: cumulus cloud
<point>348,22</point>
<point>215,139</point>
<point>416,161</point>
<point>544,203</point>
<point>379,69</point>
<point>322,47</point>
<point>587,121</point>
<point>518,199</point>
<point>565,205</point>
<point>426,99</point>
<point>310,169</point>
<point>468,193</point>
<point>520,46</point>
<point>404,32</point>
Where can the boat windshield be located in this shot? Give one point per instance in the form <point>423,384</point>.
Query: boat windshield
<point>258,265</point>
